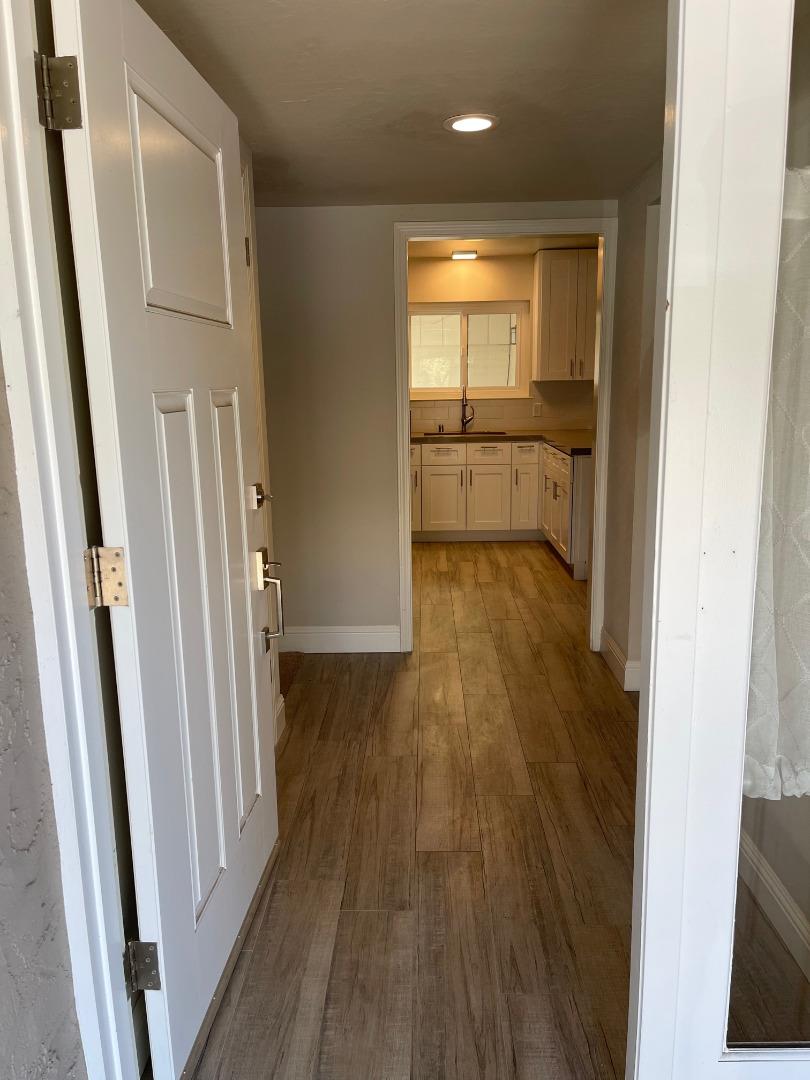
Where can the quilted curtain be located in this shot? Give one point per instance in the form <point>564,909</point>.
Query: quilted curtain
<point>777,751</point>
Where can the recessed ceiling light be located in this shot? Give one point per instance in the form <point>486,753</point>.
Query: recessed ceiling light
<point>471,122</point>
<point>462,255</point>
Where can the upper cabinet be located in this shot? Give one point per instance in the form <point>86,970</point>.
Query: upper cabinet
<point>564,315</point>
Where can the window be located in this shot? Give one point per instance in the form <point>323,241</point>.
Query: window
<point>481,346</point>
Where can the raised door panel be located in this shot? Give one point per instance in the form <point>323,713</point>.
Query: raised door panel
<point>444,498</point>
<point>525,493</point>
<point>563,520</point>
<point>416,499</point>
<point>586,314</point>
<point>558,315</point>
<point>488,499</point>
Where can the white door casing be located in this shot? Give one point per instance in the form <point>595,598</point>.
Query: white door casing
<point>155,197</point>
<point>724,158</point>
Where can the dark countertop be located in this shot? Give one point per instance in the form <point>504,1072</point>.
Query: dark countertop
<point>570,442</point>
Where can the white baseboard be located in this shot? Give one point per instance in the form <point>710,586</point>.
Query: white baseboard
<point>627,672</point>
<point>768,889</point>
<point>336,639</point>
<point>279,719</point>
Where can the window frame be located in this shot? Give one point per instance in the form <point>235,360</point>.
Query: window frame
<point>521,389</point>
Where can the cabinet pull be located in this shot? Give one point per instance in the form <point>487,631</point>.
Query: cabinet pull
<point>516,478</point>
<point>581,367</point>
<point>461,477</point>
<point>415,479</point>
<point>554,490</point>
<point>571,362</point>
<point>470,477</point>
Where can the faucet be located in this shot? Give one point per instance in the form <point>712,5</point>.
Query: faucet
<point>466,420</point>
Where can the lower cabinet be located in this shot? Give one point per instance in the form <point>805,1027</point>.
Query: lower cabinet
<point>444,498</point>
<point>488,497</point>
<point>416,499</point>
<point>525,480</point>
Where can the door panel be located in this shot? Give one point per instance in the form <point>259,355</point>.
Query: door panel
<point>488,497</point>
<point>416,499</point>
<point>558,314</point>
<point>525,496</point>
<point>444,497</point>
<point>158,233</point>
<point>586,314</point>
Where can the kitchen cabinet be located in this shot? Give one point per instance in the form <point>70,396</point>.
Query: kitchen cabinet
<point>564,315</point>
<point>416,499</point>
<point>444,498</point>
<point>566,506</point>
<point>525,491</point>
<point>488,497</point>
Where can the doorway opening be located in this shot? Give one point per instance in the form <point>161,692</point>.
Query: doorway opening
<point>504,332</point>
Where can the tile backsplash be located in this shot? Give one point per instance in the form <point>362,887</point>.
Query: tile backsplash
<point>561,405</point>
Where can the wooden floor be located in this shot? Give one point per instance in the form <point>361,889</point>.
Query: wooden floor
<point>452,896</point>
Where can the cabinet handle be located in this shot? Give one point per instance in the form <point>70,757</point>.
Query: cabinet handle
<point>581,367</point>
<point>415,479</point>
<point>554,490</point>
<point>516,478</point>
<point>461,477</point>
<point>470,477</point>
<point>572,367</point>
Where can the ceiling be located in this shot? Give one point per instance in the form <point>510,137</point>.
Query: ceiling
<point>497,246</point>
<point>343,101</point>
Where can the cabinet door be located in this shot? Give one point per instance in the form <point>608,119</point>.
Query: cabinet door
<point>562,520</point>
<point>586,315</point>
<point>546,501</point>
<point>488,497</point>
<point>444,498</point>
<point>416,499</point>
<point>525,492</point>
<point>558,315</point>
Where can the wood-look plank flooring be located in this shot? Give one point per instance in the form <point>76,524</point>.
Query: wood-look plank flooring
<point>452,896</point>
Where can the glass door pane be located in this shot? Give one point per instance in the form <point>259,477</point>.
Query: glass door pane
<point>770,980</point>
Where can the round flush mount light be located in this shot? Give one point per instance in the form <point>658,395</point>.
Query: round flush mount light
<point>468,122</point>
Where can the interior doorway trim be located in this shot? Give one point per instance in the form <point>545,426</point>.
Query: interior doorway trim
<point>404,231</point>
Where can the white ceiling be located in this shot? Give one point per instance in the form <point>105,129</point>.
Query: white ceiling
<point>497,246</point>
<point>342,101</point>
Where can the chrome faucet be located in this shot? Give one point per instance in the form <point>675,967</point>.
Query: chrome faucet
<point>466,420</point>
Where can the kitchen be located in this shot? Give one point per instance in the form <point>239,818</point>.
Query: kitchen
<point>503,340</point>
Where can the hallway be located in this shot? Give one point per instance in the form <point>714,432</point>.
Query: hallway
<point>452,893</point>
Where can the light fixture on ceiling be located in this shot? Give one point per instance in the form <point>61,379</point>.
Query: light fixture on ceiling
<point>463,256</point>
<point>469,122</point>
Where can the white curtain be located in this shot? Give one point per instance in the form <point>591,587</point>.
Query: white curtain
<point>777,750</point>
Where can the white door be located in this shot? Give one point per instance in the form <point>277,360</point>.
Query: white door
<point>488,497</point>
<point>525,491</point>
<point>720,322</point>
<point>444,498</point>
<point>416,499</point>
<point>155,197</point>
<point>558,314</point>
<point>586,314</point>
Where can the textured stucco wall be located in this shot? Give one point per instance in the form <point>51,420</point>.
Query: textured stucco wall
<point>39,1034</point>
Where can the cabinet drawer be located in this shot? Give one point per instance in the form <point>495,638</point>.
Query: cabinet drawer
<point>444,454</point>
<point>556,461</point>
<point>488,453</point>
<point>525,451</point>
<point>416,454</point>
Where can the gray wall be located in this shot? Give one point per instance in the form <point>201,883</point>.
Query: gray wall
<point>327,299</point>
<point>39,1034</point>
<point>624,408</point>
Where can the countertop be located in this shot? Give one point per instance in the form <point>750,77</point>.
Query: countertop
<point>568,441</point>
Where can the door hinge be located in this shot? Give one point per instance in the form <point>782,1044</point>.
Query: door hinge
<point>60,106</point>
<point>247,250</point>
<point>106,577</point>
<point>141,966</point>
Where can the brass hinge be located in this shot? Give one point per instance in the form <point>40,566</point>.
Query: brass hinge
<point>106,577</point>
<point>141,966</point>
<point>60,107</point>
<point>247,250</point>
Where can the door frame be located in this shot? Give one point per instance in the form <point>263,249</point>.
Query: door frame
<point>728,66</point>
<point>404,231</point>
<point>35,359</point>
